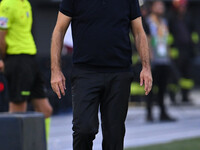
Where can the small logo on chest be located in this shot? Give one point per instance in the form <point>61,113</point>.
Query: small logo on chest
<point>27,14</point>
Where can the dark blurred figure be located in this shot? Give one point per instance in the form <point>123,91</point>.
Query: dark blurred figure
<point>160,59</point>
<point>145,13</point>
<point>3,91</point>
<point>181,28</point>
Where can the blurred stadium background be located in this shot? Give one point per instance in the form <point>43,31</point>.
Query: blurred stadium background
<point>139,132</point>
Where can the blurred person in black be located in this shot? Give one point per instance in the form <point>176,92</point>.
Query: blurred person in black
<point>160,59</point>
<point>180,26</point>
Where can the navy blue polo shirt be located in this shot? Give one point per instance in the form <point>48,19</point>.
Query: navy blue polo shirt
<point>100,31</point>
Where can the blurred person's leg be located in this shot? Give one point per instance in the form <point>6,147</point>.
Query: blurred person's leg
<point>19,75</point>
<point>162,85</point>
<point>184,70</point>
<point>38,96</point>
<point>17,107</point>
<point>114,105</point>
<point>42,105</point>
<point>86,90</point>
<point>186,83</point>
<point>151,98</point>
<point>25,83</point>
<point>172,86</point>
<point>40,101</point>
<point>149,107</point>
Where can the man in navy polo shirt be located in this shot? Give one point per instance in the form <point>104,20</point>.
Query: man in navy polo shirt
<point>101,74</point>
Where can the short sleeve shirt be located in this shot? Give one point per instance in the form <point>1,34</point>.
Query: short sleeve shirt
<point>16,18</point>
<point>100,30</point>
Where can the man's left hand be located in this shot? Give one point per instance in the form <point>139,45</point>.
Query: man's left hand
<point>146,79</point>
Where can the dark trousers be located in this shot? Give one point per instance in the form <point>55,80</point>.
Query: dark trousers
<point>184,66</point>
<point>110,93</point>
<point>160,75</point>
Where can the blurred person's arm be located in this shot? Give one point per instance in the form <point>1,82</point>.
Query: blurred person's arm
<point>57,77</point>
<point>1,65</point>
<point>141,43</point>
<point>6,19</point>
<point>3,43</point>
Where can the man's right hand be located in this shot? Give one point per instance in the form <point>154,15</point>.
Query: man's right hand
<point>1,66</point>
<point>58,82</point>
<point>57,77</point>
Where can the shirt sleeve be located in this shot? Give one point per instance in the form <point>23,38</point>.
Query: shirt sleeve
<point>135,9</point>
<point>5,15</point>
<point>66,7</point>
